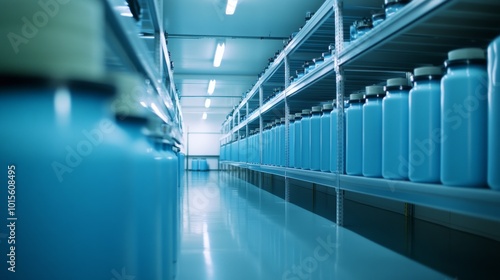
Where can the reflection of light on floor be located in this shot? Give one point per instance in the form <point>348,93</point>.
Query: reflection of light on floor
<point>206,251</point>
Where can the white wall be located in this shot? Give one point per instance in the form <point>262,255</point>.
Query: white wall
<point>202,137</point>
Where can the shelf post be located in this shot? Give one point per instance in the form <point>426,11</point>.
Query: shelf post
<point>261,123</point>
<point>287,129</point>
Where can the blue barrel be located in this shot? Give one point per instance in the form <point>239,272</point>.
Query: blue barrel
<point>354,135</point>
<point>325,138</point>
<point>195,164</point>
<point>282,154</point>
<point>333,138</point>
<point>291,137</point>
<point>395,123</point>
<point>306,139</point>
<point>315,138</point>
<point>298,140</point>
<point>203,164</point>
<point>425,125</point>
<point>372,131</point>
<point>464,119</point>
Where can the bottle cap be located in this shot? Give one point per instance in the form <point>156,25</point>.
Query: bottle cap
<point>327,107</point>
<point>397,82</point>
<point>428,71</point>
<point>298,116</point>
<point>283,120</point>
<point>356,96</point>
<point>306,112</point>
<point>131,91</point>
<point>466,53</point>
<point>316,109</point>
<point>375,90</point>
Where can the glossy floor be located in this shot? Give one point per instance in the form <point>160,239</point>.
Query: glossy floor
<point>233,230</point>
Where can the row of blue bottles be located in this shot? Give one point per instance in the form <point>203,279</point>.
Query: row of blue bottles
<point>425,125</point>
<point>395,115</point>
<point>494,114</point>
<point>372,131</point>
<point>325,138</point>
<point>354,134</point>
<point>315,138</point>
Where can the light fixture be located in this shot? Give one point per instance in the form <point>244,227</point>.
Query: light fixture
<point>124,11</point>
<point>211,87</point>
<point>231,6</point>
<point>204,116</point>
<point>144,104</point>
<point>207,102</point>
<point>219,53</point>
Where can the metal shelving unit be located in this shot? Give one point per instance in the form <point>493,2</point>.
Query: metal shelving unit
<point>126,50</point>
<point>420,34</point>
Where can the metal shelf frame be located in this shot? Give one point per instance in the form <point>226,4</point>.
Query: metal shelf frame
<point>132,53</point>
<point>420,34</point>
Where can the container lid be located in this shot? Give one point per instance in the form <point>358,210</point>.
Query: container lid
<point>316,109</point>
<point>375,90</point>
<point>291,117</point>
<point>306,112</point>
<point>327,107</point>
<point>283,120</point>
<point>318,59</point>
<point>356,96</point>
<point>397,82</point>
<point>428,71</point>
<point>467,53</point>
<point>132,91</point>
<point>298,116</point>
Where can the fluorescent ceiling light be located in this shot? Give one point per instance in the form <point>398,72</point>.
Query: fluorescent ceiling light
<point>207,102</point>
<point>204,116</point>
<point>231,6</point>
<point>219,53</point>
<point>144,104</point>
<point>124,11</point>
<point>211,87</point>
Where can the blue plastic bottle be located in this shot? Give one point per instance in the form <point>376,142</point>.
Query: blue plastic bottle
<point>494,114</point>
<point>333,138</point>
<point>395,122</point>
<point>464,117</point>
<point>425,125</point>
<point>315,138</point>
<point>281,158</point>
<point>325,138</point>
<point>364,26</point>
<point>378,19</point>
<point>277,142</point>
<point>298,140</point>
<point>243,149</point>
<point>306,139</point>
<point>393,6</point>
<point>291,137</point>
<point>354,135</point>
<point>372,131</point>
<point>236,150</point>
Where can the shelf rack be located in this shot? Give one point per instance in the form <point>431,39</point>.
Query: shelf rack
<point>126,50</point>
<point>420,34</point>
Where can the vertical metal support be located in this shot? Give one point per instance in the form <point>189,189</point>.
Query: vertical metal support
<point>339,46</point>
<point>287,129</point>
<point>261,124</point>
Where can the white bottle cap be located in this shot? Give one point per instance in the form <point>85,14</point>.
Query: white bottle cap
<point>467,53</point>
<point>397,82</point>
<point>427,71</point>
<point>355,96</point>
<point>374,90</point>
<point>327,107</point>
<point>306,112</point>
<point>298,116</point>
<point>57,39</point>
<point>316,109</point>
<point>131,91</point>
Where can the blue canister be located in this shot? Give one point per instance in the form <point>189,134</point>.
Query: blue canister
<point>393,6</point>
<point>372,131</point>
<point>354,135</point>
<point>353,30</point>
<point>425,125</point>
<point>464,117</point>
<point>291,143</point>
<point>306,139</point>
<point>265,144</point>
<point>494,114</point>
<point>378,19</point>
<point>242,150</point>
<point>315,137</point>
<point>298,140</point>
<point>333,138</point>
<point>318,61</point>
<point>395,122</point>
<point>325,138</point>
<point>282,155</point>
<point>275,141</point>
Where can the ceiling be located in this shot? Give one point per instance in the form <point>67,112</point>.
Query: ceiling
<point>252,35</point>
